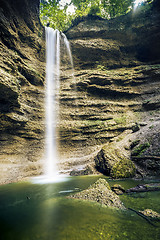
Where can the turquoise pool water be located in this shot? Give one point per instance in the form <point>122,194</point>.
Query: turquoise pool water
<point>42,212</point>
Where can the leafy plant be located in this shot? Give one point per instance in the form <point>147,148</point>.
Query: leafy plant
<point>140,149</point>
<point>57,15</point>
<point>51,13</point>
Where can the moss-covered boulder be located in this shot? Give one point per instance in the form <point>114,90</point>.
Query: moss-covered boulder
<point>125,168</point>
<point>113,160</point>
<point>100,192</point>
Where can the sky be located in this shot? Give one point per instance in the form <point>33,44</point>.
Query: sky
<point>71,8</point>
<point>138,2</point>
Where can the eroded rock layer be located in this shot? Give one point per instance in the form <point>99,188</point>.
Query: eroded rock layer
<point>114,98</point>
<point>21,89</point>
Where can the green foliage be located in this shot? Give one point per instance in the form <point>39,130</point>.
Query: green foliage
<point>52,13</point>
<point>140,149</point>
<point>123,169</point>
<point>58,17</point>
<point>114,8</point>
<point>94,10</point>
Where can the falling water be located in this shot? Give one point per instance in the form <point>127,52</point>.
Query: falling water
<point>52,87</point>
<point>66,42</point>
<point>53,38</point>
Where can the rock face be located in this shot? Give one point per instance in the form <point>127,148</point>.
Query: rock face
<point>124,41</point>
<point>100,192</point>
<point>21,89</point>
<point>114,98</point>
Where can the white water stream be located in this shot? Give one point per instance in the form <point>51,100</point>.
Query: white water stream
<point>53,39</point>
<point>52,83</point>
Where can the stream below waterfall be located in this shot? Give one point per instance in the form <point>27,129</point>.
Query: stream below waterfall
<point>42,212</point>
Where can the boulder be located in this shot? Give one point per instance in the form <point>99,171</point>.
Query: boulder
<point>100,192</point>
<point>118,189</point>
<point>112,160</point>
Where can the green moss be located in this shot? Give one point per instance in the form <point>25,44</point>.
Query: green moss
<point>120,120</point>
<point>101,67</point>
<point>140,149</point>
<point>125,168</point>
<point>134,143</point>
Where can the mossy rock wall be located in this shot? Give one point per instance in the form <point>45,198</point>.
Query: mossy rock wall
<point>22,66</point>
<point>114,96</point>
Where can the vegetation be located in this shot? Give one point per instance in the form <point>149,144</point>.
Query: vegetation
<point>123,169</point>
<point>140,149</point>
<point>58,13</point>
<point>53,14</point>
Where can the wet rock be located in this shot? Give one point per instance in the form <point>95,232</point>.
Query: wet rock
<point>145,188</point>
<point>146,155</point>
<point>135,128</point>
<point>151,214</point>
<point>87,171</point>
<point>113,161</point>
<point>113,42</point>
<point>152,104</point>
<point>118,189</point>
<point>134,143</point>
<point>100,192</point>
<point>22,67</point>
<point>140,149</point>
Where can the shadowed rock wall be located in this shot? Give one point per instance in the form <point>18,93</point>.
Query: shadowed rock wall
<point>21,89</point>
<point>124,41</point>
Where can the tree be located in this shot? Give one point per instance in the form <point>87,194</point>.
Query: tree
<point>114,8</point>
<point>53,12</point>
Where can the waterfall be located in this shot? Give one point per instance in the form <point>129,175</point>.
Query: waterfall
<point>66,42</point>
<point>52,87</point>
<point>53,39</point>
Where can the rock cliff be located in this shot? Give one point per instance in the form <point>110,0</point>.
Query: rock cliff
<point>111,107</point>
<point>21,89</point>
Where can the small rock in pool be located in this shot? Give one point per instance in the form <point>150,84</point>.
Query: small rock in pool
<point>100,192</point>
<point>151,214</point>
